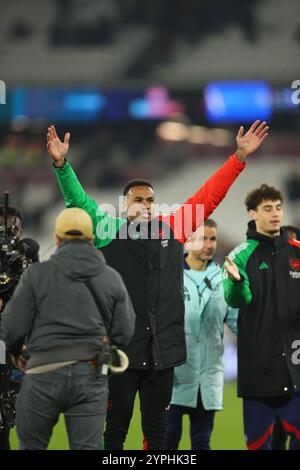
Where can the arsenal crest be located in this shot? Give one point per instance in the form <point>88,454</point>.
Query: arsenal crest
<point>295,264</point>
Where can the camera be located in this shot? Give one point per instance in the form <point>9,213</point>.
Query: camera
<point>12,263</point>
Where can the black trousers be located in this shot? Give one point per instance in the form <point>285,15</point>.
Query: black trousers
<point>155,391</point>
<point>280,436</point>
<point>4,439</point>
<point>201,425</point>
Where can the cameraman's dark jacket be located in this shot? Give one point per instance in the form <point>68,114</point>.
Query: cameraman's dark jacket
<point>53,311</point>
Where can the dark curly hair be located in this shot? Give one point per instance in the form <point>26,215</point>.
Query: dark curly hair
<point>264,193</point>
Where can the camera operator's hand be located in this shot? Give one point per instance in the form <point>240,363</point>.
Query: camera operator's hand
<point>19,362</point>
<point>56,148</point>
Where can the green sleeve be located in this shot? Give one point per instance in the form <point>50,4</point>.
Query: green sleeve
<point>238,293</point>
<point>105,226</point>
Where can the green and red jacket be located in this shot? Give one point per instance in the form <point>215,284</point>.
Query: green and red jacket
<point>268,296</point>
<point>152,269</point>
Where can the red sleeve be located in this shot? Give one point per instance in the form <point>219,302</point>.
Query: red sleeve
<point>190,215</point>
<point>294,243</point>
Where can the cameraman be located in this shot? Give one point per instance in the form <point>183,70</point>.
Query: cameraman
<point>15,255</point>
<point>14,223</point>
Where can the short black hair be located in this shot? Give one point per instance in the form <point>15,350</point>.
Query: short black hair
<point>211,223</point>
<point>12,212</point>
<point>134,183</point>
<point>263,193</point>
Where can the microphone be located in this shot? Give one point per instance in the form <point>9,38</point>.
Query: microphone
<point>29,248</point>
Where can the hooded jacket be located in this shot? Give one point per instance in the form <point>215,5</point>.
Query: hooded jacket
<point>53,311</point>
<point>268,296</point>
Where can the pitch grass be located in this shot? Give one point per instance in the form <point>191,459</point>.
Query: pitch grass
<point>227,434</point>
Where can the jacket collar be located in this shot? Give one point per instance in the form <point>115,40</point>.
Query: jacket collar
<point>210,265</point>
<point>253,234</point>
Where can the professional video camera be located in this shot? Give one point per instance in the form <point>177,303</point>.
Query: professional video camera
<point>15,256</point>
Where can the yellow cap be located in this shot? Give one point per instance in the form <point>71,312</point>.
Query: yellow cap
<point>74,223</point>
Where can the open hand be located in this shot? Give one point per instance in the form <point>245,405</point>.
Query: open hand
<point>56,148</point>
<point>19,362</point>
<point>232,269</point>
<point>249,142</point>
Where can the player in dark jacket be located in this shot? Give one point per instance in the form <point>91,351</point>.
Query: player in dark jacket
<point>148,253</point>
<point>262,279</point>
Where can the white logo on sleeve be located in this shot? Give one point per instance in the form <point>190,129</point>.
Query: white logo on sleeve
<point>2,352</point>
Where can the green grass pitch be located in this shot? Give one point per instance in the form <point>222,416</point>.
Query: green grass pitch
<point>227,434</point>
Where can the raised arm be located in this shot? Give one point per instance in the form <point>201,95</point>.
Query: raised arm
<point>189,216</point>
<point>73,192</point>
<point>56,148</point>
<point>105,226</point>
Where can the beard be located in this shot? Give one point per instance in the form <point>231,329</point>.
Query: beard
<point>274,231</point>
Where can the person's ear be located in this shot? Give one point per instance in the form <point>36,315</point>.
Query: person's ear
<point>252,214</point>
<point>56,239</point>
<point>124,204</point>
